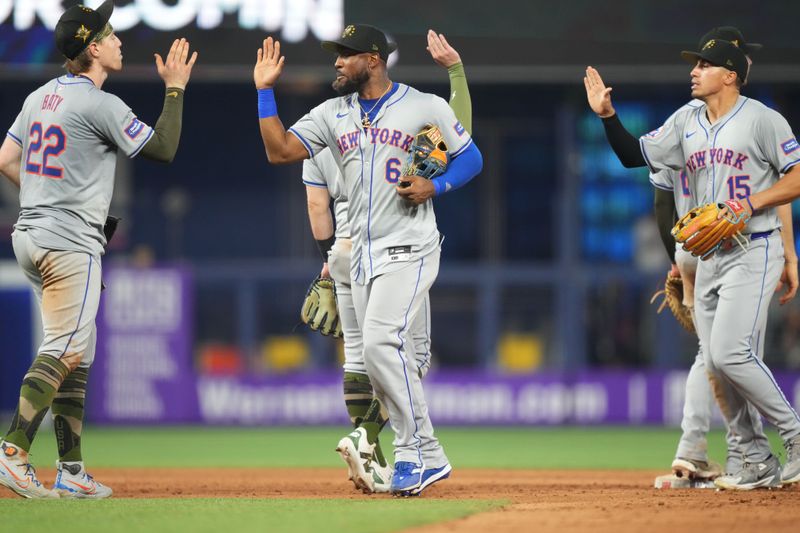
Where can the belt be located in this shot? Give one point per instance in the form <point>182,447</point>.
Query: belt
<point>759,235</point>
<point>731,243</point>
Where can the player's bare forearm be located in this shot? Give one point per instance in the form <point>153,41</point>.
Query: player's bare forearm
<point>10,157</point>
<point>280,145</point>
<point>787,232</point>
<point>789,277</point>
<point>319,212</point>
<point>784,191</point>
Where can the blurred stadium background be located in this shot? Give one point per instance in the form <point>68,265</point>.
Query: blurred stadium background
<point>541,312</point>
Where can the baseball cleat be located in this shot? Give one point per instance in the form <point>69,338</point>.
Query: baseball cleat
<point>791,469</point>
<point>766,474</point>
<point>694,469</point>
<point>671,481</point>
<point>356,452</point>
<point>72,481</point>
<point>431,476</point>
<point>407,477</point>
<point>381,477</point>
<point>18,474</point>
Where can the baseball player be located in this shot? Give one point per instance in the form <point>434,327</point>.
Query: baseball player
<point>61,151</point>
<point>396,245</point>
<point>736,149</point>
<point>672,197</point>
<point>323,181</point>
<point>691,458</point>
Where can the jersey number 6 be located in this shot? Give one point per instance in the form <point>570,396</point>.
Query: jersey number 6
<point>393,170</point>
<point>55,142</point>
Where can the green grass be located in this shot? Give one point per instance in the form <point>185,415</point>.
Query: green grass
<point>579,448</point>
<point>232,515</point>
<point>623,448</point>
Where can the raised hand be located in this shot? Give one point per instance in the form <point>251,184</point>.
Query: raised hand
<point>441,51</point>
<point>176,70</point>
<point>598,95</point>
<point>269,64</point>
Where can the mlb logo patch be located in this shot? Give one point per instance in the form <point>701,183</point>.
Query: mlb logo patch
<point>459,128</point>
<point>655,133</point>
<point>790,146</point>
<point>134,128</point>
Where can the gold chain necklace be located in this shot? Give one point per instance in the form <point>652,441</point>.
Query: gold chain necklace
<point>365,121</point>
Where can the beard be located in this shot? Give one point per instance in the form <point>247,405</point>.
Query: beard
<point>350,85</point>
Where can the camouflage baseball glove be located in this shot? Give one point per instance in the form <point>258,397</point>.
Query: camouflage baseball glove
<point>428,157</point>
<point>702,232</point>
<point>673,297</point>
<point>319,308</point>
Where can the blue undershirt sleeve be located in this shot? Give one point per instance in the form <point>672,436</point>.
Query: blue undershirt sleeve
<point>460,171</point>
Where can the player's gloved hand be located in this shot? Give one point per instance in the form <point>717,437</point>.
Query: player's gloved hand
<point>441,51</point>
<point>673,298</point>
<point>598,95</point>
<point>269,64</point>
<point>319,308</point>
<point>705,228</point>
<point>416,189</point>
<point>176,70</point>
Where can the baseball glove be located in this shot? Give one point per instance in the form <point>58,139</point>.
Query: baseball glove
<point>702,232</point>
<point>428,157</point>
<point>319,308</point>
<point>673,297</point>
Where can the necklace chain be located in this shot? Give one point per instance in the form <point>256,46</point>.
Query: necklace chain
<point>365,121</point>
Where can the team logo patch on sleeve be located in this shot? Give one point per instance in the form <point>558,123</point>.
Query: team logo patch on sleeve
<point>459,128</point>
<point>790,146</point>
<point>655,133</point>
<point>134,128</point>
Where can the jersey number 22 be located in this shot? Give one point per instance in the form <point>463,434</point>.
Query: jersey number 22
<point>54,141</point>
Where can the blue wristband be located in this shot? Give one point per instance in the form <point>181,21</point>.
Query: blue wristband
<point>266,103</point>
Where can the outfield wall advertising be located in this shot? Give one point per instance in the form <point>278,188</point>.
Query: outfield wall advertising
<point>143,374</point>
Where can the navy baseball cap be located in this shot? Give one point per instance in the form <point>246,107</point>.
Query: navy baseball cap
<point>79,26</point>
<point>722,54</point>
<point>732,34</point>
<point>362,38</point>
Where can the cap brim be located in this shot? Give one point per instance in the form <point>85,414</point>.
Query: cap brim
<point>692,57</point>
<point>105,10</point>
<point>749,48</point>
<point>336,47</point>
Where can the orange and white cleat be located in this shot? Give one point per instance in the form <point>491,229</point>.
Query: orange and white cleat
<point>18,474</point>
<point>73,481</point>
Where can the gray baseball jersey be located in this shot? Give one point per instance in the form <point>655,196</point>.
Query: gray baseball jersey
<point>677,181</point>
<point>743,153</point>
<point>322,171</point>
<point>70,132</point>
<point>387,231</point>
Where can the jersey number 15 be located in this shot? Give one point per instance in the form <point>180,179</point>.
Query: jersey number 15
<point>54,142</point>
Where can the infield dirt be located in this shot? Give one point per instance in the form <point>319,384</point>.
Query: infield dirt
<point>539,500</point>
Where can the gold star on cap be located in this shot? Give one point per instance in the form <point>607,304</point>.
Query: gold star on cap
<point>83,33</point>
<point>348,31</point>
